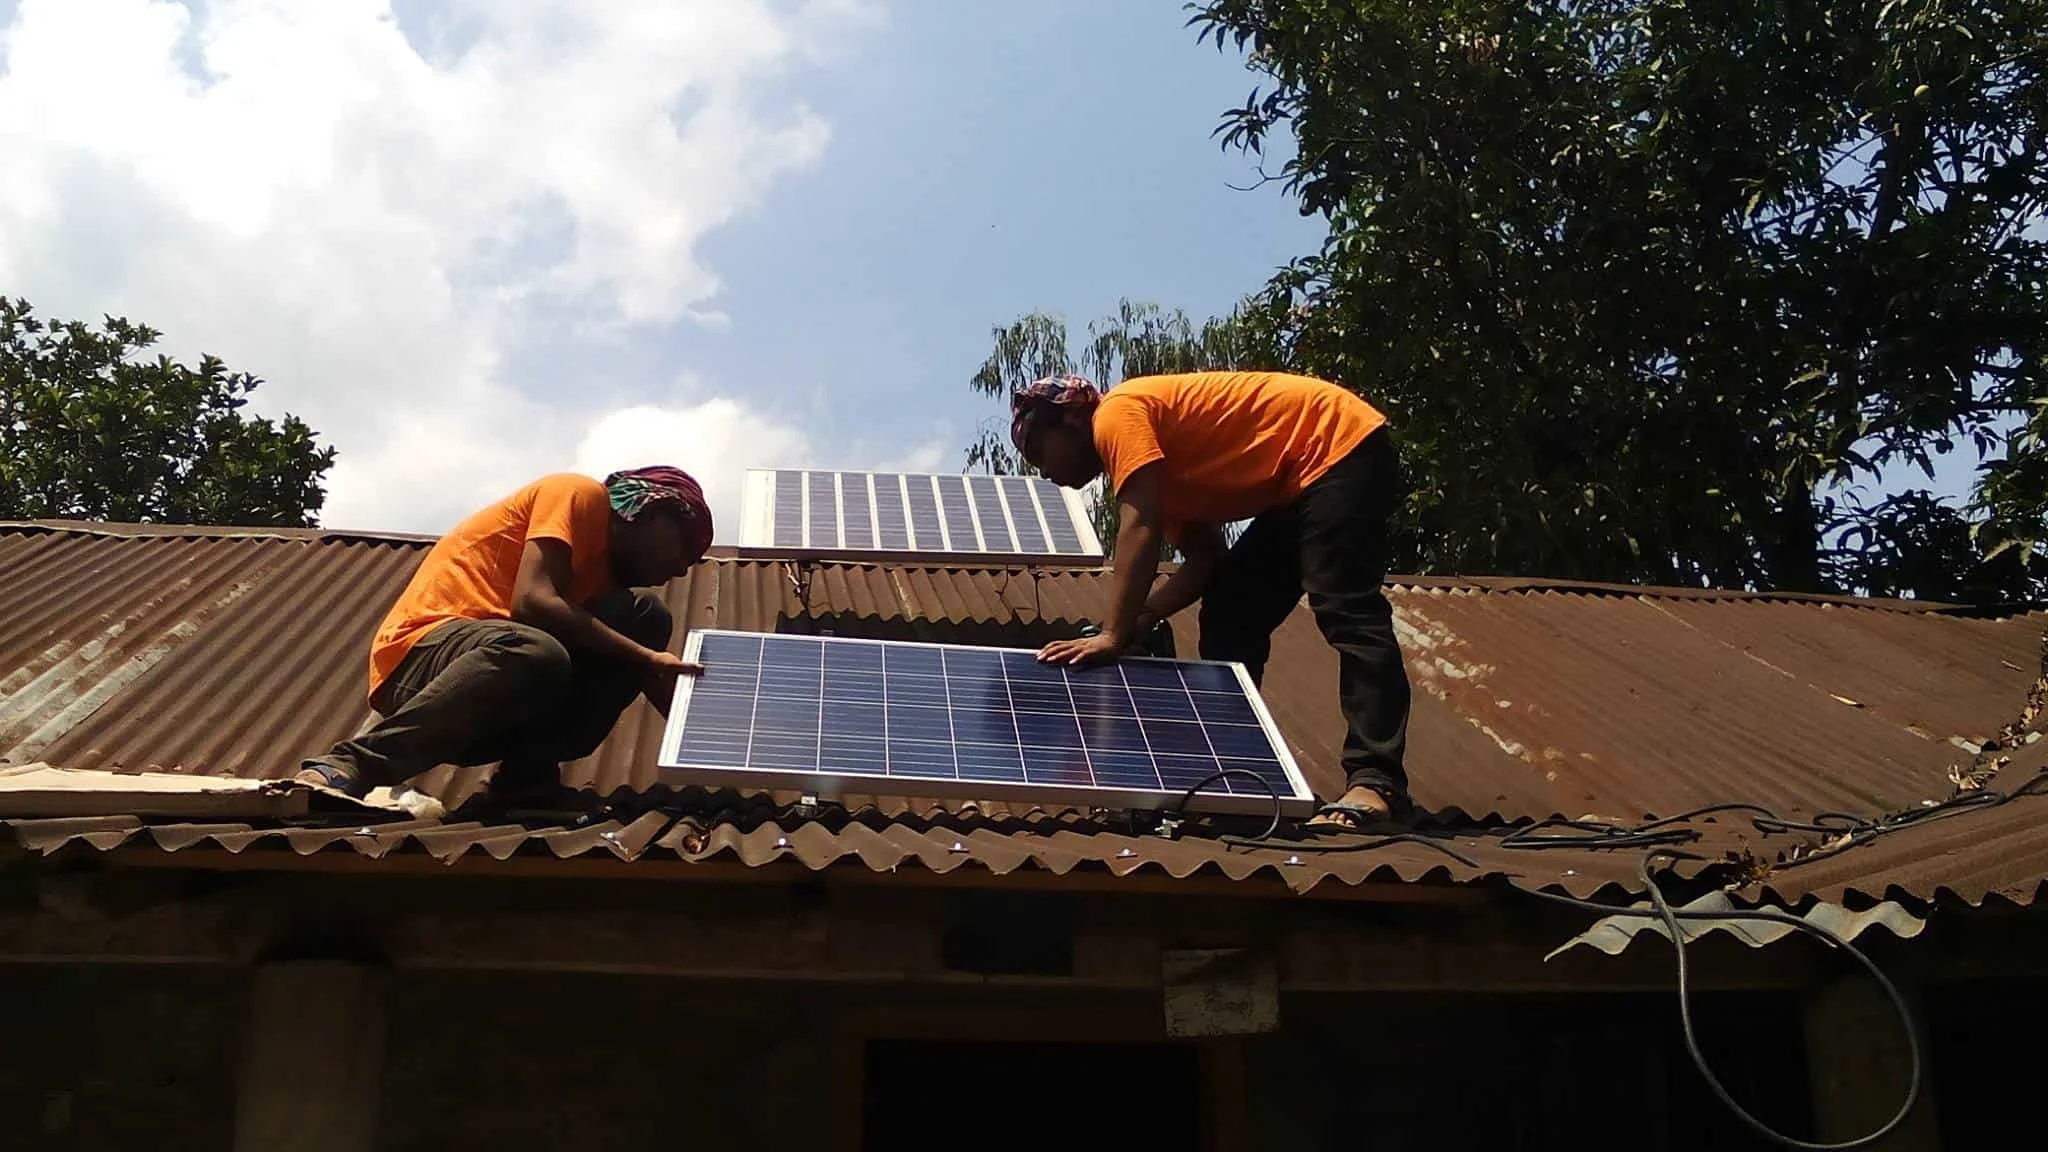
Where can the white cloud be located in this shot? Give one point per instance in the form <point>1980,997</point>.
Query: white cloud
<point>717,440</point>
<point>385,221</point>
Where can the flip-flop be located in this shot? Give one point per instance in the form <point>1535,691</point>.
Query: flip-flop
<point>1363,820</point>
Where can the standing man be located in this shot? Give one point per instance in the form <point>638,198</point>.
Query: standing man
<point>520,640</point>
<point>1313,468</point>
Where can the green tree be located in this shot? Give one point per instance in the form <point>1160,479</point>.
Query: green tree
<point>1671,291</point>
<point>92,429</point>
<point>1139,340</point>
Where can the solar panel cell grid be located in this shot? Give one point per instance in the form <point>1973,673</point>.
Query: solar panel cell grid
<point>1016,492</point>
<point>988,507</point>
<point>789,510</point>
<point>958,516</point>
<point>889,519</point>
<point>823,513</point>
<point>1059,519</point>
<point>924,514</point>
<point>857,507</point>
<point>810,705</point>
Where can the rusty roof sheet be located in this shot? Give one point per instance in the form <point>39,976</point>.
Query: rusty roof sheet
<point>237,653</point>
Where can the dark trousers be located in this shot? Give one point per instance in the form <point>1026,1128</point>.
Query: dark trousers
<point>1331,543</point>
<point>481,691</point>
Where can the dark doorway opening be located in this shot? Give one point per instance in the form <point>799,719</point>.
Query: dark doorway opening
<point>1076,1097</point>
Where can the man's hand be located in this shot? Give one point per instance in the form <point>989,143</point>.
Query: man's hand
<point>660,684</point>
<point>668,665</point>
<point>1086,650</point>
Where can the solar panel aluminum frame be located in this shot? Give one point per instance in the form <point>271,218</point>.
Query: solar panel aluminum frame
<point>757,527</point>
<point>832,786</point>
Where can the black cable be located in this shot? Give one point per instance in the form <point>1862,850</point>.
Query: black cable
<point>1180,807</point>
<point>1592,834</point>
<point>1267,839</point>
<point>1365,843</point>
<point>1599,834</point>
<point>1662,910</point>
<point>1855,831</point>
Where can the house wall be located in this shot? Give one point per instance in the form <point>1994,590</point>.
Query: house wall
<point>590,1014</point>
<point>512,1061</point>
<point>1455,1072</point>
<point>101,1056</point>
<point>118,1057</point>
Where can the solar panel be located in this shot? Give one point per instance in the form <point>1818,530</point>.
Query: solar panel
<point>829,714</point>
<point>794,513</point>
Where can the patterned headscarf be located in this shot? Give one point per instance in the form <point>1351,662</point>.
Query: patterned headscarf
<point>638,489</point>
<point>1047,392</point>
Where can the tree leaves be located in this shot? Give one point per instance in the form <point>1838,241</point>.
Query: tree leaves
<point>92,430</point>
<point>1649,286</point>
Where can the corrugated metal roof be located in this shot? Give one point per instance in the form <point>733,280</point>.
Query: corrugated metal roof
<point>238,653</point>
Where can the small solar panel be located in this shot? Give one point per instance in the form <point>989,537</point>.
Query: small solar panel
<point>791,513</point>
<point>832,714</point>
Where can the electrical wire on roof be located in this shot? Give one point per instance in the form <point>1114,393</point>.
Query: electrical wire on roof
<point>1270,838</point>
<point>1357,842</point>
<point>1660,909</point>
<point>1847,831</point>
<point>1558,832</point>
<point>1841,830</point>
<point>798,573</point>
<point>1003,593</point>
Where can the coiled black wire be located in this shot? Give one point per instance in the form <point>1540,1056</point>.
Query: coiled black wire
<point>1661,909</point>
<point>1270,838</point>
<point>1180,808</point>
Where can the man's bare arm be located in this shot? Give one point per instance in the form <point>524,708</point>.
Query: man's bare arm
<point>1137,553</point>
<point>540,597</point>
<point>1201,547</point>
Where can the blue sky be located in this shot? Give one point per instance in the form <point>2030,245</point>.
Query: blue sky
<point>474,240</point>
<point>973,176</point>
<point>471,241</point>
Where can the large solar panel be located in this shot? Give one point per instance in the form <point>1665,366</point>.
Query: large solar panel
<point>1018,519</point>
<point>830,715</point>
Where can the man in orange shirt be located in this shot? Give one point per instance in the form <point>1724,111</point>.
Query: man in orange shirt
<point>520,640</point>
<point>1313,468</point>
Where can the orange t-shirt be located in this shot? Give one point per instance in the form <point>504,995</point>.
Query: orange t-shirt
<point>470,573</point>
<point>1231,444</point>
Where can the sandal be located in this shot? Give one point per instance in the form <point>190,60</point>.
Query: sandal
<point>1362,819</point>
<point>1400,814</point>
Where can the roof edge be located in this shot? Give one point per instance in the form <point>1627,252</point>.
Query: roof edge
<point>1502,585</point>
<point>121,531</point>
